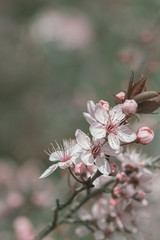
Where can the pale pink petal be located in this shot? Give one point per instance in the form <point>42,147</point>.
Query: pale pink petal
<point>50,170</point>
<point>101,115</point>
<point>76,159</point>
<point>113,141</point>
<point>76,149</point>
<point>125,134</point>
<point>116,114</point>
<point>83,140</point>
<point>68,143</point>
<point>87,158</point>
<point>56,156</point>
<point>102,165</point>
<point>97,130</point>
<point>110,151</point>
<point>91,108</point>
<point>64,165</point>
<point>88,118</point>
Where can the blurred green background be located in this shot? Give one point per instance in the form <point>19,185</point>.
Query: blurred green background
<point>54,56</point>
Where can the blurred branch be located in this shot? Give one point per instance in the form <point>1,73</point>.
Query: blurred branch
<point>67,218</point>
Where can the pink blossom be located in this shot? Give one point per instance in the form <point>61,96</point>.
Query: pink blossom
<point>41,199</point>
<point>109,125</point>
<point>145,135</point>
<point>63,157</point>
<point>131,159</point>
<point>14,199</point>
<point>121,95</point>
<point>23,228</point>
<point>94,153</point>
<point>80,168</point>
<point>129,107</point>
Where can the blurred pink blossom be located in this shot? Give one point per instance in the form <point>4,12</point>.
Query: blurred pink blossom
<point>41,199</point>
<point>147,36</point>
<point>71,31</point>
<point>23,228</point>
<point>14,199</point>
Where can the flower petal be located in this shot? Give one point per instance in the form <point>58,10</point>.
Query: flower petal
<point>82,139</point>
<point>76,149</point>
<point>101,115</point>
<point>116,114</point>
<point>51,169</point>
<point>87,158</point>
<point>88,118</point>
<point>102,165</point>
<point>56,156</point>
<point>110,151</point>
<point>64,165</point>
<point>97,130</point>
<point>125,134</point>
<point>113,141</point>
<point>91,108</point>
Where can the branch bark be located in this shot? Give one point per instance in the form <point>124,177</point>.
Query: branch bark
<point>68,214</point>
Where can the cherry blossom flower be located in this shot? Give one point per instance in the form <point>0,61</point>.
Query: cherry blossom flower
<point>133,159</point>
<point>91,107</point>
<point>94,152</point>
<point>63,157</point>
<point>109,125</point>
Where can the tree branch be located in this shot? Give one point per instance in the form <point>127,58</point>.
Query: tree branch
<point>65,218</point>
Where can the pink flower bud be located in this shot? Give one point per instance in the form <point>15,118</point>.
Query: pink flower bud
<point>145,135</point>
<point>120,95</point>
<point>113,202</point>
<point>129,107</point>
<point>121,177</point>
<point>104,104</point>
<point>140,195</point>
<point>114,168</point>
<point>80,168</point>
<point>116,191</point>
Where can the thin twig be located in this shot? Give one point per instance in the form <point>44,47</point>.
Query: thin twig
<point>56,222</point>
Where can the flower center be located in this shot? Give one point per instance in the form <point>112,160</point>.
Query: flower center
<point>95,150</point>
<point>65,159</point>
<point>110,128</point>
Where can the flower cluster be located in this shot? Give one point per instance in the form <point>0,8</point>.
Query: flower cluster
<point>110,130</point>
<point>89,154</point>
<point>118,210</point>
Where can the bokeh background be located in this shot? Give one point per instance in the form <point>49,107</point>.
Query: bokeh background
<point>54,56</point>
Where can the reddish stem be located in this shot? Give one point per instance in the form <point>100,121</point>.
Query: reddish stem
<point>75,176</point>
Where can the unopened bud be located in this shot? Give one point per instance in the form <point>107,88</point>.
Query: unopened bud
<point>121,177</point>
<point>104,104</point>
<point>116,191</point>
<point>120,95</point>
<point>113,202</point>
<point>114,168</point>
<point>140,195</point>
<point>145,135</point>
<point>80,168</point>
<point>129,107</point>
